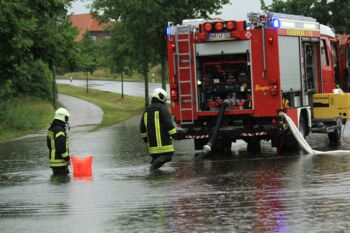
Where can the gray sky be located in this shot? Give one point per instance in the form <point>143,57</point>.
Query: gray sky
<point>238,9</point>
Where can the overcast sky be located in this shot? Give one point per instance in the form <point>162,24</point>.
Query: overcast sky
<point>238,9</point>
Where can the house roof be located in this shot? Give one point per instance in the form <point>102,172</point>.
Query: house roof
<point>343,38</point>
<point>86,22</point>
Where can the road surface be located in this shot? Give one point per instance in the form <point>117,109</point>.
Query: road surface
<point>130,88</point>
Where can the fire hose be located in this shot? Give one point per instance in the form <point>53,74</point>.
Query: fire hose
<point>208,147</point>
<point>301,140</point>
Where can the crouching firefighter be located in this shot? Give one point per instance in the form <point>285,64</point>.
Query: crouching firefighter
<point>57,142</point>
<point>157,129</point>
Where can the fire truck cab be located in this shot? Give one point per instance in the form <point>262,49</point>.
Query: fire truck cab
<point>270,63</point>
<point>345,51</point>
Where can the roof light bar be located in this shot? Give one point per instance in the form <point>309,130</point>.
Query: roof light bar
<point>276,23</point>
<point>287,24</point>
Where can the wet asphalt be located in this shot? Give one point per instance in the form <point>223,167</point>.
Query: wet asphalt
<point>129,88</point>
<point>232,192</point>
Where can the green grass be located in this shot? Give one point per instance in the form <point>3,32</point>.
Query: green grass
<point>21,116</point>
<point>115,108</point>
<point>105,74</point>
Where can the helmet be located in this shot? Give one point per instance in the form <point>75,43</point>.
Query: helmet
<point>62,114</point>
<point>160,94</point>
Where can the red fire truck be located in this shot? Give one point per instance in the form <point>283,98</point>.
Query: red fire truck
<point>345,52</point>
<point>230,79</point>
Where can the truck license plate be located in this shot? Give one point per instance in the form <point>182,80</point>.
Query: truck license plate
<point>219,36</point>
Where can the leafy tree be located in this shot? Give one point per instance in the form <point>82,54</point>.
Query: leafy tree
<point>340,15</point>
<point>34,35</point>
<point>88,54</point>
<point>145,21</point>
<point>334,13</point>
<point>120,59</point>
<point>15,37</point>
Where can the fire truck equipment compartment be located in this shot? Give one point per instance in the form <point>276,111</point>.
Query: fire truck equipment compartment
<point>231,47</point>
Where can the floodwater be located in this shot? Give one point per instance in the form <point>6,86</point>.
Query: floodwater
<point>227,193</point>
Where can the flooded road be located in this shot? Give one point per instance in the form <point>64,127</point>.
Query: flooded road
<point>228,193</point>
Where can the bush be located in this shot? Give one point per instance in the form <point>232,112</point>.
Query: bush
<point>23,115</point>
<point>6,90</point>
<point>33,79</point>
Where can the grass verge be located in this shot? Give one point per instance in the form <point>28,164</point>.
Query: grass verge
<point>115,108</point>
<point>21,116</point>
<point>154,75</point>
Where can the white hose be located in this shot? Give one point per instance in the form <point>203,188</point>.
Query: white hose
<point>301,140</point>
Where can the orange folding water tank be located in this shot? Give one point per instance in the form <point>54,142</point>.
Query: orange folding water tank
<point>82,167</point>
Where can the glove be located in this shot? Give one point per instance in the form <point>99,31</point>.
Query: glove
<point>180,134</point>
<point>175,136</point>
<point>145,140</point>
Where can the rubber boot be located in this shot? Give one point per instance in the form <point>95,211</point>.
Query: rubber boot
<point>160,161</point>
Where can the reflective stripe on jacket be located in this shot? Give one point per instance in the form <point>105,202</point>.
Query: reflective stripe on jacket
<point>157,126</point>
<point>57,143</point>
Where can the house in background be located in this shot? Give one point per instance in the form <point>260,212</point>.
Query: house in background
<point>86,23</point>
<point>343,38</point>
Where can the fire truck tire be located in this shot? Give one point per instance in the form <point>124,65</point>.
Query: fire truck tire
<point>335,136</point>
<point>223,146</point>
<point>254,147</point>
<point>287,143</point>
<point>303,127</point>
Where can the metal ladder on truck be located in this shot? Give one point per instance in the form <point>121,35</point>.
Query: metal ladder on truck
<point>184,57</point>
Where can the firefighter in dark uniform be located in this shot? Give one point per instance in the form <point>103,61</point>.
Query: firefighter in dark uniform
<point>57,142</point>
<point>157,129</point>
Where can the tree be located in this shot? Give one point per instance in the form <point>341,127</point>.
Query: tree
<point>120,62</point>
<point>35,35</point>
<point>333,13</point>
<point>145,22</point>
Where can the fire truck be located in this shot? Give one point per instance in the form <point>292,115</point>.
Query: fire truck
<point>345,53</point>
<point>230,79</point>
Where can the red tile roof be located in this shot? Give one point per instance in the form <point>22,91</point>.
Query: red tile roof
<point>86,22</point>
<point>343,38</point>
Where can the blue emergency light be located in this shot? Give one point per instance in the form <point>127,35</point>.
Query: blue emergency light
<point>168,30</point>
<point>276,23</point>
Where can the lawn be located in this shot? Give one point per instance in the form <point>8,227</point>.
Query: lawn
<point>24,115</point>
<point>115,108</point>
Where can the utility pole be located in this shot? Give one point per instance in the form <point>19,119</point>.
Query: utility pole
<point>87,82</point>
<point>145,75</point>
<point>122,85</point>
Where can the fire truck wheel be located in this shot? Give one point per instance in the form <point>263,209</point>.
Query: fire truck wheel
<point>254,147</point>
<point>223,146</point>
<point>303,127</point>
<point>287,144</point>
<point>335,136</point>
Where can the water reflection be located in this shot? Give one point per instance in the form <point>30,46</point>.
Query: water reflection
<point>58,180</point>
<point>228,193</point>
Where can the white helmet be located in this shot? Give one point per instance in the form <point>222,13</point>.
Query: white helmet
<point>62,114</point>
<point>160,94</point>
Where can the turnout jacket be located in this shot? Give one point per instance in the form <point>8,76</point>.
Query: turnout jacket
<point>157,128</point>
<point>57,142</point>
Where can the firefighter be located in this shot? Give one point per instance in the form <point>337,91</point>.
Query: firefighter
<point>157,129</point>
<point>57,142</point>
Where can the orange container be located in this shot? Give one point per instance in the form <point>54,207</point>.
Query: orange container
<point>82,167</point>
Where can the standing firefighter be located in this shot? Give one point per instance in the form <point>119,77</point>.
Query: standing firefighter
<point>158,130</point>
<point>57,142</point>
